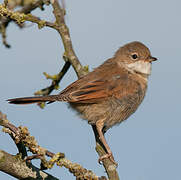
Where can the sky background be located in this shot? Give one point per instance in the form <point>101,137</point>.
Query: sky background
<point>147,146</point>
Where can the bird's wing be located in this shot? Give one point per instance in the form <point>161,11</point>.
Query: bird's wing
<point>90,92</point>
<point>99,86</point>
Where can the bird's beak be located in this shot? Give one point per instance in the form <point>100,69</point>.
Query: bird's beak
<point>150,59</point>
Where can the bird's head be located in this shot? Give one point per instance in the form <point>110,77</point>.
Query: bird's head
<point>136,57</point>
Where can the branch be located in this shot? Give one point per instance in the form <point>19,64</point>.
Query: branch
<point>18,168</point>
<point>22,135</point>
<point>55,80</point>
<point>59,25</point>
<point>21,17</point>
<point>70,57</point>
<point>27,8</point>
<point>64,32</point>
<point>109,166</point>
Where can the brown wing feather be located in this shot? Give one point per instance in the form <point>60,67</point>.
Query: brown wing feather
<point>98,85</point>
<point>92,88</point>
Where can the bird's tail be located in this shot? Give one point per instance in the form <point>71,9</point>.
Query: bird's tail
<point>34,99</point>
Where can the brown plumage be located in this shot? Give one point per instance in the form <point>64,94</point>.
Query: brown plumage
<point>109,94</point>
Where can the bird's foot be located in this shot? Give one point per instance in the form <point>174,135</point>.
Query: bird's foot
<point>108,156</point>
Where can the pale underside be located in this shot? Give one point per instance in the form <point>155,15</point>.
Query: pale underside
<point>143,67</point>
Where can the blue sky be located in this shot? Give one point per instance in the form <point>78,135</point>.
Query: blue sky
<point>146,146</point>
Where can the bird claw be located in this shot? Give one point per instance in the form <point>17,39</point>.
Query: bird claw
<point>107,156</point>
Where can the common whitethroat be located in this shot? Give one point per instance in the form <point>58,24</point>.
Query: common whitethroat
<point>110,93</point>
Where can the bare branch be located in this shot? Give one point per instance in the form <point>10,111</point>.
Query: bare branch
<point>63,30</point>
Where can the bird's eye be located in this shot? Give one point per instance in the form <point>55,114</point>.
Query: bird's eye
<point>134,56</point>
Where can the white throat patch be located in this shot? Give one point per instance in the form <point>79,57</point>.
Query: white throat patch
<point>140,67</point>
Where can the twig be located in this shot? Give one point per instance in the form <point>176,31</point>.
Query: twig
<point>32,6</point>
<point>71,57</point>
<point>3,32</point>
<point>55,80</point>
<point>13,133</point>
<point>107,163</point>
<point>64,32</point>
<point>4,21</point>
<point>22,135</point>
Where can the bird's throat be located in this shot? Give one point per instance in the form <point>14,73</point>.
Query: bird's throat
<point>140,67</point>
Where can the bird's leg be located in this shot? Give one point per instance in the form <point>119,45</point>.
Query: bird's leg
<point>109,155</point>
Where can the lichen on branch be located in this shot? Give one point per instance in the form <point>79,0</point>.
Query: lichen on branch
<point>21,134</point>
<point>69,56</point>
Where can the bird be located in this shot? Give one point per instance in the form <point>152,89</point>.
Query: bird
<point>110,93</point>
